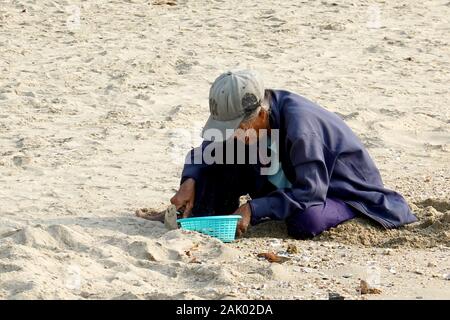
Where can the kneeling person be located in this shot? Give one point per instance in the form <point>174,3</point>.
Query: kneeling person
<point>325,175</point>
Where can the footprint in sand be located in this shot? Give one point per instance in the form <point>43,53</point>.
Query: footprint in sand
<point>21,161</point>
<point>350,116</point>
<point>335,26</point>
<point>28,94</point>
<point>7,267</point>
<point>392,112</point>
<point>440,205</point>
<point>183,67</point>
<point>51,237</point>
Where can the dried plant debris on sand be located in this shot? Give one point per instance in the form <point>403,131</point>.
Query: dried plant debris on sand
<point>272,257</point>
<point>365,288</point>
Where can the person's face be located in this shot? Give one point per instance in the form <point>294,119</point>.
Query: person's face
<point>249,132</point>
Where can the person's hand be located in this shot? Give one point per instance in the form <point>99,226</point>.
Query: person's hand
<point>245,212</point>
<point>184,198</point>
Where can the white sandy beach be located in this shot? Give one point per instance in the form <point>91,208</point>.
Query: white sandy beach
<point>96,116</point>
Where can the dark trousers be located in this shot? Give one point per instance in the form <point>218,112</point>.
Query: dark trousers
<point>221,185</point>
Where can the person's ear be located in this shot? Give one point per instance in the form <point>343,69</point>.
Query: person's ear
<point>262,114</point>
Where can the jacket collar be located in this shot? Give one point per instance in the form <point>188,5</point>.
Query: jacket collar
<point>274,117</point>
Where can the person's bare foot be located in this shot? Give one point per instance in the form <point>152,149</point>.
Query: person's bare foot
<point>151,214</point>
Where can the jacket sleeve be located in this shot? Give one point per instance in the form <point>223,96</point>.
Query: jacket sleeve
<point>312,163</point>
<point>194,164</point>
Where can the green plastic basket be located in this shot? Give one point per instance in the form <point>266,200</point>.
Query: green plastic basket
<point>221,227</point>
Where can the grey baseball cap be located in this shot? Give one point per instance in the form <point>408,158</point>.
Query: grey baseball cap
<point>233,96</point>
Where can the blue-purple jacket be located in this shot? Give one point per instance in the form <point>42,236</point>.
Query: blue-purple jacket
<point>321,157</point>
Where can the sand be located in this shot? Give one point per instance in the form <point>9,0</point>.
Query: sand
<point>432,229</point>
<point>96,115</point>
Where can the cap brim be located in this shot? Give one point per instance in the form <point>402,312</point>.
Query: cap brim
<point>220,130</point>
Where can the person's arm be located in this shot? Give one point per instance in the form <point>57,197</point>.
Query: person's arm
<point>193,168</point>
<point>194,164</point>
<point>312,162</point>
